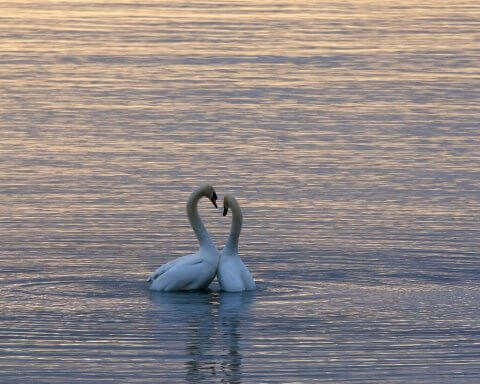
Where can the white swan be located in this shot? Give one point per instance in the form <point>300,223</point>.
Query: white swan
<point>232,274</point>
<point>195,271</point>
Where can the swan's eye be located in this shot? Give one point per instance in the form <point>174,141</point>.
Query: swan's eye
<point>214,196</point>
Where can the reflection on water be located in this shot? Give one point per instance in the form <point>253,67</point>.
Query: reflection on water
<point>194,313</point>
<point>212,327</point>
<point>349,133</point>
<point>234,309</point>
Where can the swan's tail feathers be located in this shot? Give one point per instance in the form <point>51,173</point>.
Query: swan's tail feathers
<point>161,270</point>
<point>151,277</point>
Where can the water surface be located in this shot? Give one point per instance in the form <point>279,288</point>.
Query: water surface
<point>349,133</point>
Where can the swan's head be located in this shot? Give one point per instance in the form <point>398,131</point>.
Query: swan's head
<point>210,194</point>
<point>228,200</point>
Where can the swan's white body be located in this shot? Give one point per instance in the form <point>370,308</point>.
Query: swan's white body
<point>232,273</point>
<point>194,271</point>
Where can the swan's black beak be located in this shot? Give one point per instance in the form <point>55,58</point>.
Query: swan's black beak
<point>213,199</point>
<point>225,211</point>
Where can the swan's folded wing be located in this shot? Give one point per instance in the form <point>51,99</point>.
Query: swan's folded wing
<point>187,275</point>
<point>230,276</point>
<point>192,258</point>
<point>248,279</point>
<point>167,266</point>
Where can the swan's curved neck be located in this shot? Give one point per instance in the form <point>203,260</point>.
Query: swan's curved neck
<point>195,221</point>
<point>237,218</point>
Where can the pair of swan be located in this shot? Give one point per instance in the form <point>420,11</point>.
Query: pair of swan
<point>197,270</point>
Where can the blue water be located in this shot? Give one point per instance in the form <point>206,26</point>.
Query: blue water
<point>348,131</point>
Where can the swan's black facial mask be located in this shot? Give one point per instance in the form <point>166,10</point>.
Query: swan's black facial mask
<point>213,199</point>
<point>225,211</point>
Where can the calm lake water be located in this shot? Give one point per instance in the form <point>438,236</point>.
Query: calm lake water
<point>348,131</point>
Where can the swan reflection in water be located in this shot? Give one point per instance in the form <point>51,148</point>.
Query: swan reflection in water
<point>234,308</point>
<point>210,324</point>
